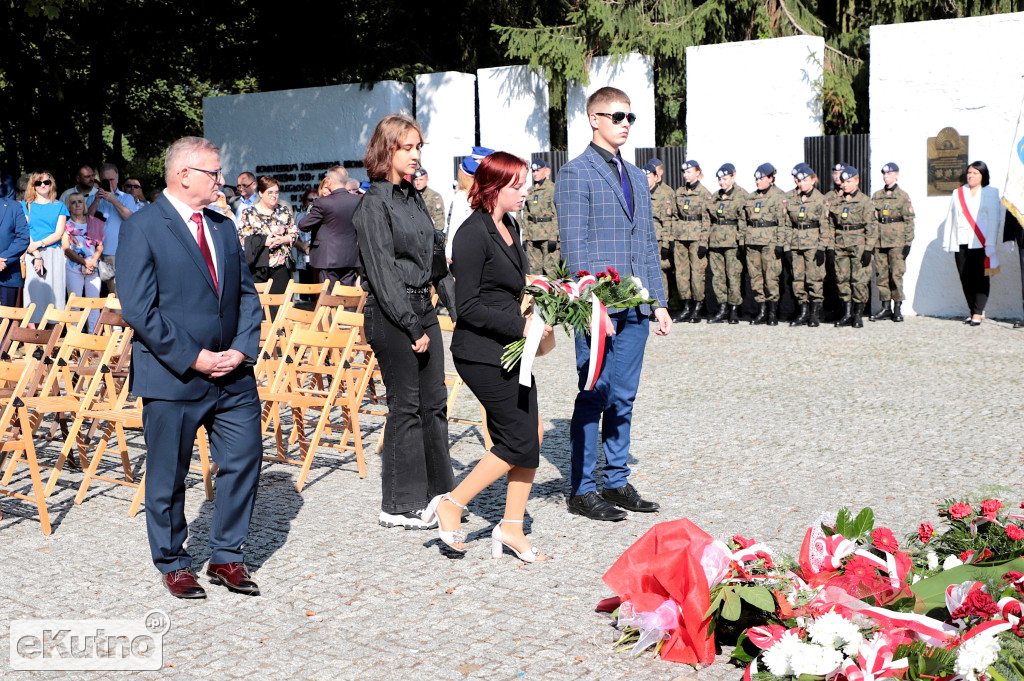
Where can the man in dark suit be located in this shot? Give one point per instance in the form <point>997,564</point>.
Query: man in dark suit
<point>187,293</point>
<point>333,248</point>
<point>13,242</point>
<point>605,220</point>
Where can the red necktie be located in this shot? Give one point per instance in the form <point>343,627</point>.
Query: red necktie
<point>204,248</point>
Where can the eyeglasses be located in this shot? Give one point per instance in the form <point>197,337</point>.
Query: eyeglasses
<point>137,186</point>
<point>619,116</point>
<point>214,174</point>
<point>246,184</point>
<point>39,183</point>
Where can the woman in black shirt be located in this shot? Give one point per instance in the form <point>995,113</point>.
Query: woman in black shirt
<point>396,247</point>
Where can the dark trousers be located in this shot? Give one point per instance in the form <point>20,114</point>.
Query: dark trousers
<point>970,263</point>
<point>278,278</point>
<point>169,428</point>
<point>346,276</point>
<point>9,298</point>
<point>415,466</point>
<point>609,406</point>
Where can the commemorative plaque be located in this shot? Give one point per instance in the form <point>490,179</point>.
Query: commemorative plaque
<point>947,162</point>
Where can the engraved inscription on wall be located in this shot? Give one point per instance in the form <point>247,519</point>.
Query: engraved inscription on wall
<point>947,162</point>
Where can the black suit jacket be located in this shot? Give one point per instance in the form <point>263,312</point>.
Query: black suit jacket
<point>489,279</point>
<point>329,221</point>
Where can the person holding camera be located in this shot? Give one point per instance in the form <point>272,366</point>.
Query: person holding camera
<point>115,207</point>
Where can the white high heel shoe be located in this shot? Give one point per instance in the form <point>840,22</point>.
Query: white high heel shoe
<point>498,541</point>
<point>449,538</point>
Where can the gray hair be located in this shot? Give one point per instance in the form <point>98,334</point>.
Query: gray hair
<point>338,175</point>
<point>183,152</point>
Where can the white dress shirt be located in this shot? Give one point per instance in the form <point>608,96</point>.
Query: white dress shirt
<point>186,214</point>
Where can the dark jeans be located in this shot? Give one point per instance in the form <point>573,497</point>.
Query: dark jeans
<point>8,298</point>
<point>970,263</point>
<point>415,466</point>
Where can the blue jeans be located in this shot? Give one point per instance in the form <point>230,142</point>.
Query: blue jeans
<point>612,398</point>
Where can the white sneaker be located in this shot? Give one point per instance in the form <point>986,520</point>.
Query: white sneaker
<point>409,520</point>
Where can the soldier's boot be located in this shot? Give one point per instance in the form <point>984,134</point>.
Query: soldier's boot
<point>734,314</point>
<point>761,313</point>
<point>815,318</point>
<point>685,313</point>
<point>897,314</point>
<point>858,310</point>
<point>697,311</point>
<point>719,317</point>
<point>847,317</point>
<point>804,315</point>
<point>773,313</point>
<point>885,313</point>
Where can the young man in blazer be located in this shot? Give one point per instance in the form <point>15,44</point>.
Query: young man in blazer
<point>187,293</point>
<point>333,248</point>
<point>605,220</point>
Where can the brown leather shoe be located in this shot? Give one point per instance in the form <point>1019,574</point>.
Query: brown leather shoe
<point>182,584</point>
<point>235,576</point>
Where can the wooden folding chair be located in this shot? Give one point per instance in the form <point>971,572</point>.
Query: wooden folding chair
<point>306,355</point>
<point>455,383</point>
<point>75,303</point>
<point>354,297</point>
<point>11,317</point>
<point>16,434</point>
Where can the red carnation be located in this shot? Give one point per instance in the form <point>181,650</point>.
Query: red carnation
<point>614,275</point>
<point>768,562</point>
<point>1014,532</point>
<point>601,275</point>
<point>743,542</point>
<point>985,555</point>
<point>925,532</point>
<point>1016,580</point>
<point>960,510</point>
<point>884,540</point>
<point>978,603</point>
<point>582,273</point>
<point>965,556</point>
<point>990,507</point>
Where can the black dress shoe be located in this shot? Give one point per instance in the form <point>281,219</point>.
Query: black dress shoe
<point>182,584</point>
<point>1018,324</point>
<point>594,507</point>
<point>627,497</point>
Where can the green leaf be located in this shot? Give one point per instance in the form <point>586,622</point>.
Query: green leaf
<point>843,522</point>
<point>757,596</point>
<point>864,523</point>
<point>932,591</point>
<point>733,606</point>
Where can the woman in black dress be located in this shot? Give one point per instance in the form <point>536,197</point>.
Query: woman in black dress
<point>490,265</point>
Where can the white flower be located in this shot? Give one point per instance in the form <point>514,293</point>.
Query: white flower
<point>644,293</point>
<point>976,655</point>
<point>836,632</point>
<point>933,560</point>
<point>815,660</point>
<point>636,280</point>
<point>777,657</point>
<point>951,562</point>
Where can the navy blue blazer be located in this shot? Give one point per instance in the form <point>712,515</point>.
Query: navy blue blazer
<point>13,241</point>
<point>168,298</point>
<point>595,228</point>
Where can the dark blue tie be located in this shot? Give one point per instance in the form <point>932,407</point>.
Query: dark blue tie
<point>625,185</point>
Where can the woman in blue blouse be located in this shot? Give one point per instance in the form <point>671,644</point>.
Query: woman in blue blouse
<point>44,271</point>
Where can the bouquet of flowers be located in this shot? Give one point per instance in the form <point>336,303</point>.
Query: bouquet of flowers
<point>576,304</point>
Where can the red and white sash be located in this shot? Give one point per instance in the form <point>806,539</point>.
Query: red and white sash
<point>989,269</point>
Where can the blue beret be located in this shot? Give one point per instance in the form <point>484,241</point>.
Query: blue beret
<point>656,161</point>
<point>764,170</point>
<point>420,172</point>
<point>538,164</point>
<point>802,170</point>
<point>890,168</point>
<point>690,164</point>
<point>848,172</point>
<point>472,162</point>
<point>651,167</point>
<point>363,186</point>
<point>839,167</point>
<point>726,169</point>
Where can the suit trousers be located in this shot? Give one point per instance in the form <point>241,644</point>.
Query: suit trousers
<point>169,427</point>
<point>970,264</point>
<point>609,405</point>
<point>415,465</point>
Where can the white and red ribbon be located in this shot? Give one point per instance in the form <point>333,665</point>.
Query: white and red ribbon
<point>533,338</point>
<point>598,337</point>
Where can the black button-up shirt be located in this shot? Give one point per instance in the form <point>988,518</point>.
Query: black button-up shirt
<point>396,248</point>
<point>608,157</point>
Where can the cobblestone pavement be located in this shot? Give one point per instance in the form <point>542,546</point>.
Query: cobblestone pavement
<point>742,429</point>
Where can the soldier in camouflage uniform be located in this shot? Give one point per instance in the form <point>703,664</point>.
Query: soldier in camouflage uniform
<point>728,223</point>
<point>835,195</point>
<point>766,240</point>
<point>540,226</point>
<point>433,200</point>
<point>856,233</point>
<point>895,218</point>
<point>811,236</point>
<point>690,241</point>
<point>663,204</point>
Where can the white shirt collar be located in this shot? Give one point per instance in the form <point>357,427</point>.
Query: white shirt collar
<point>183,209</point>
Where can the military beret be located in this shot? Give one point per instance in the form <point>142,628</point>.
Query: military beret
<point>764,170</point>
<point>726,169</point>
<point>848,172</point>
<point>363,186</point>
<point>656,161</point>
<point>802,170</point>
<point>472,162</point>
<point>839,167</point>
<point>651,168</point>
<point>420,172</point>
<point>890,168</point>
<point>538,164</point>
<point>690,164</point>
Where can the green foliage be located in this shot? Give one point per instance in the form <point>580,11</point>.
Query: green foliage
<point>925,661</point>
<point>931,592</point>
<point>851,528</point>
<point>727,603</point>
<point>1009,665</point>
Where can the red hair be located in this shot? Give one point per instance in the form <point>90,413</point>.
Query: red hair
<point>496,171</point>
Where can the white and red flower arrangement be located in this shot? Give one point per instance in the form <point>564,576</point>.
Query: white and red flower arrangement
<point>854,606</point>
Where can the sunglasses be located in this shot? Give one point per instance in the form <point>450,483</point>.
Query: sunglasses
<point>620,116</point>
<point>39,183</point>
<point>134,186</point>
